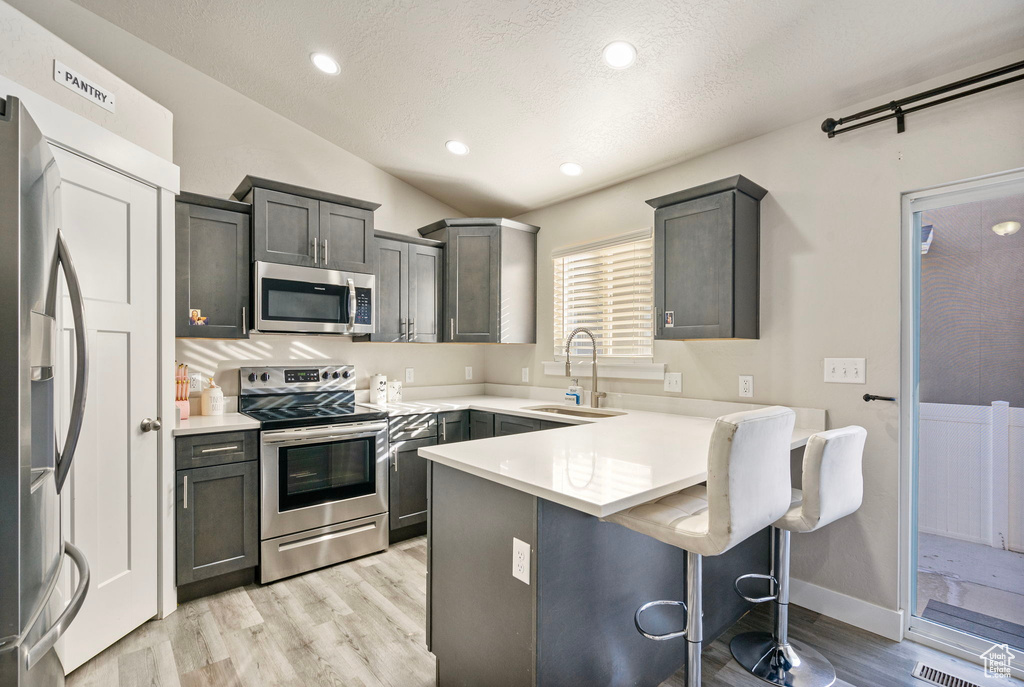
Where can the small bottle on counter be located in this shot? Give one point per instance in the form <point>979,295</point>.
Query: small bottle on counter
<point>574,394</point>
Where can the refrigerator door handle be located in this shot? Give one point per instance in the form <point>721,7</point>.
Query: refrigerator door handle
<point>50,637</point>
<point>66,454</point>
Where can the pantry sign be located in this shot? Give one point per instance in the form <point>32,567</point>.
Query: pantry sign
<point>87,88</point>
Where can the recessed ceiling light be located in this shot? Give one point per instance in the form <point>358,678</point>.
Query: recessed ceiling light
<point>619,55</point>
<point>325,63</point>
<point>570,169</point>
<point>1006,228</point>
<point>457,147</point>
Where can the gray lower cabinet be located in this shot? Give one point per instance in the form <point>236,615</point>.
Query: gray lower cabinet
<point>452,426</point>
<point>292,225</point>
<point>407,491</point>
<point>217,518</point>
<point>551,424</point>
<point>490,279</point>
<point>409,288</point>
<point>706,261</point>
<point>513,424</point>
<point>211,268</point>
<point>481,424</point>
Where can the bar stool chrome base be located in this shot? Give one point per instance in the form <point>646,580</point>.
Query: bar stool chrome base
<point>787,665</point>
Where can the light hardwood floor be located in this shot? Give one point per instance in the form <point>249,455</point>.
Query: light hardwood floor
<point>362,624</point>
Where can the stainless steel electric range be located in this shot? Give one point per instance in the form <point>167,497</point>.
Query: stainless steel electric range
<point>323,467</point>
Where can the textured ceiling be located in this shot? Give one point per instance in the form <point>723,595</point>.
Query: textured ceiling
<point>522,82</point>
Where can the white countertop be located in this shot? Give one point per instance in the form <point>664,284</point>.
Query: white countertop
<point>207,424</point>
<point>599,466</point>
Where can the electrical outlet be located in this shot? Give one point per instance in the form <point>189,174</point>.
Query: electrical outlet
<point>520,560</point>
<point>747,386</point>
<point>410,375</point>
<point>845,370</point>
<point>674,381</point>
<point>195,382</point>
<point>526,374</point>
<point>469,372</point>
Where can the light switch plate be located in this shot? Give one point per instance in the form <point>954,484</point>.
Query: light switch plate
<point>526,374</point>
<point>846,370</point>
<point>747,386</point>
<point>674,381</point>
<point>469,372</point>
<point>410,375</point>
<point>520,560</point>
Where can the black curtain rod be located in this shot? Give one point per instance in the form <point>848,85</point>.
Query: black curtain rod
<point>896,107</point>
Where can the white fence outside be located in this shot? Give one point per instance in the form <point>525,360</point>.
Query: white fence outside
<point>971,473</point>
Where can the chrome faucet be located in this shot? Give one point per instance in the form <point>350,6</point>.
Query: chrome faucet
<point>595,395</point>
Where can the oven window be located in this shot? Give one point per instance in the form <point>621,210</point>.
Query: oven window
<point>303,302</point>
<point>312,474</point>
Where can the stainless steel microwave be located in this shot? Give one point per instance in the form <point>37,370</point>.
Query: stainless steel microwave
<point>290,298</point>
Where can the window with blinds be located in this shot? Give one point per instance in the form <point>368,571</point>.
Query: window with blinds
<point>607,286</point>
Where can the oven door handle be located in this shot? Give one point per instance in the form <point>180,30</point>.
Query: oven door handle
<point>289,435</point>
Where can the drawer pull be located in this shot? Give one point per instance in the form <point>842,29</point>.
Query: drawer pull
<point>325,537</point>
<point>219,449</point>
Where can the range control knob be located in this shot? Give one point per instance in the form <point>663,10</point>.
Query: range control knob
<point>347,374</point>
<point>326,375</point>
<point>265,377</point>
<point>252,376</point>
<point>336,374</point>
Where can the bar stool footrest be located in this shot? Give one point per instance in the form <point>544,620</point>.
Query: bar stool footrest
<point>667,635</point>
<point>790,665</point>
<point>757,599</point>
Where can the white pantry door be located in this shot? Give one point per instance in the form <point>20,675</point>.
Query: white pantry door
<point>110,499</point>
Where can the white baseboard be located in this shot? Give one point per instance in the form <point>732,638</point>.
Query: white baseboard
<point>881,621</point>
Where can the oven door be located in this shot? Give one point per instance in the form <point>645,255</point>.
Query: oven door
<point>318,476</point>
<point>308,299</point>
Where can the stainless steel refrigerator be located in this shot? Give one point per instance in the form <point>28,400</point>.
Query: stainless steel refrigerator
<point>34,462</point>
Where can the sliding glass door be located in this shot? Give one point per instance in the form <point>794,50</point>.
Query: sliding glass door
<point>962,417</point>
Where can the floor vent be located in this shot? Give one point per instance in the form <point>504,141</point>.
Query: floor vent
<point>934,676</point>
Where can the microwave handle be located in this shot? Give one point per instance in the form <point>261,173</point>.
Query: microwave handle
<point>351,303</point>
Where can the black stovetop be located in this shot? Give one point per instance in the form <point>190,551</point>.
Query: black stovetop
<point>307,416</point>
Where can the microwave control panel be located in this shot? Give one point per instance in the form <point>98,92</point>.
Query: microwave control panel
<point>364,306</point>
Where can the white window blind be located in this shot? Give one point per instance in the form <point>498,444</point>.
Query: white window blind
<point>606,286</point>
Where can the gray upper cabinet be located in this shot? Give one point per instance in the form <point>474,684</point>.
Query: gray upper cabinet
<point>293,225</point>
<point>706,261</point>
<point>211,267</point>
<point>490,279</point>
<point>409,288</point>
<point>346,238</point>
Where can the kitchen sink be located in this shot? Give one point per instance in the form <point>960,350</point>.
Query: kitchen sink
<point>577,412</point>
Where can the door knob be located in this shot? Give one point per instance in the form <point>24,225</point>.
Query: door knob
<point>151,425</point>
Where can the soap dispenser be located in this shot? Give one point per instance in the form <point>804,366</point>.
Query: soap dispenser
<point>574,394</point>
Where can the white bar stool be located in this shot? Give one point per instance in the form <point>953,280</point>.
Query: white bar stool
<point>833,487</point>
<point>748,489</point>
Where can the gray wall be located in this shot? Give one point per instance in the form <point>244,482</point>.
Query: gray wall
<point>972,317</point>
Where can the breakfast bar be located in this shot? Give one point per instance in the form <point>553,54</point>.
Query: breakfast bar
<point>528,586</point>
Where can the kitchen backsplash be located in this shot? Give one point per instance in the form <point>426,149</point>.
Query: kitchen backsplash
<point>432,364</point>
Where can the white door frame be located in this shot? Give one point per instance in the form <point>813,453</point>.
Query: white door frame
<point>90,140</point>
<point>938,636</point>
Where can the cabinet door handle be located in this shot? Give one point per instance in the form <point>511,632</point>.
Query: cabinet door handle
<point>405,323</point>
<point>394,458</point>
<point>316,252</point>
<point>451,328</point>
<point>184,493</point>
<point>410,332</point>
<point>444,429</point>
<point>327,255</point>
